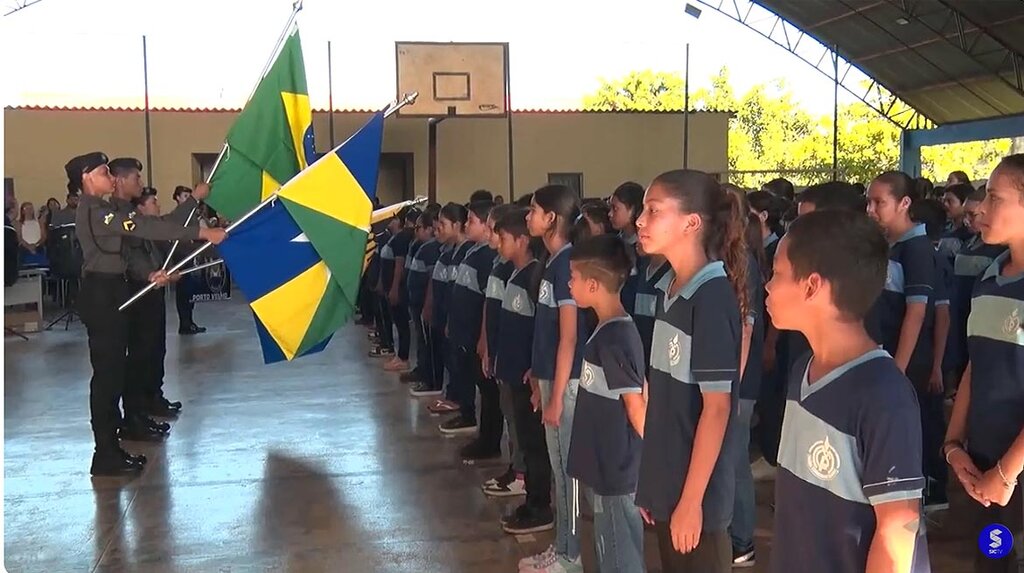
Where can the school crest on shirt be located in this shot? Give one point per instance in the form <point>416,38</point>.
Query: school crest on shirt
<point>588,375</point>
<point>517,303</point>
<point>674,351</point>
<point>1012,323</point>
<point>823,460</point>
<point>545,291</point>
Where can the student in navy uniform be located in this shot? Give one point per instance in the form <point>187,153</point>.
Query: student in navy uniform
<point>686,471</point>
<point>420,270</point>
<point>902,320</point>
<point>849,486</point>
<point>513,353</point>
<point>933,215</point>
<point>385,333</point>
<point>510,482</point>
<point>411,216</point>
<point>435,306</point>
<point>985,441</point>
<point>558,339</point>
<point>767,209</point>
<point>472,265</point>
<point>974,257</point>
<point>650,269</point>
<point>957,233</point>
<point>604,452</point>
<point>452,219</point>
<point>625,205</point>
<point>395,315</point>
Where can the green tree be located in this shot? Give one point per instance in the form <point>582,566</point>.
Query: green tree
<point>771,133</point>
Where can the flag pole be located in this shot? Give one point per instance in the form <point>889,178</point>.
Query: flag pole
<point>296,7</point>
<point>392,108</point>
<point>212,263</point>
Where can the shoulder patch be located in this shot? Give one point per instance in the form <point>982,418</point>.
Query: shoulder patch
<point>108,218</point>
<point>129,225</point>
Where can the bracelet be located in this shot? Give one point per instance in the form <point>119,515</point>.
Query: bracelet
<point>1006,483</point>
<point>945,450</point>
<point>950,451</point>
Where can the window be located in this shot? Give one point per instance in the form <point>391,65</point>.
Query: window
<point>202,166</point>
<point>573,181</point>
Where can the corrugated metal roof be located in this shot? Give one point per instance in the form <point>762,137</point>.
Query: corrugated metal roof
<point>952,60</point>
<point>347,110</point>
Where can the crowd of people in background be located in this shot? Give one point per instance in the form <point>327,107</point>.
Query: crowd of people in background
<point>625,347</point>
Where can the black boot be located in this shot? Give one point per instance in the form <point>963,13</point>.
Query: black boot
<point>110,460</point>
<point>138,429</point>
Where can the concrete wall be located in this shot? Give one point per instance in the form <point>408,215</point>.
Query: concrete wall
<point>607,148</point>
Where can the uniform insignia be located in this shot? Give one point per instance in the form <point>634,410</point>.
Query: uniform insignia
<point>129,225</point>
<point>545,292</point>
<point>588,376</point>
<point>674,351</point>
<point>1012,323</point>
<point>517,303</point>
<point>108,218</point>
<point>131,215</point>
<point>823,460</point>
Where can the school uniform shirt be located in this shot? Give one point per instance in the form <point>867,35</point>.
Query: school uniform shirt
<point>645,305</point>
<point>421,268</point>
<point>771,246</point>
<point>403,287</point>
<point>910,279</point>
<point>954,239</point>
<point>695,349</point>
<point>629,288</point>
<point>850,441</point>
<point>968,265</point>
<point>995,336</point>
<point>604,450</point>
<point>750,385</point>
<point>468,292</point>
<point>500,271</point>
<point>554,294</point>
<point>514,348</point>
<point>439,286</point>
<point>397,246</point>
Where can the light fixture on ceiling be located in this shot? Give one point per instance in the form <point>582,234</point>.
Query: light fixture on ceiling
<point>902,21</point>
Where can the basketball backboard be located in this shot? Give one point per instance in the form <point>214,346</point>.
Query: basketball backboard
<point>453,79</point>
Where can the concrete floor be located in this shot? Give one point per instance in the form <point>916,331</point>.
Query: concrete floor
<point>325,464</point>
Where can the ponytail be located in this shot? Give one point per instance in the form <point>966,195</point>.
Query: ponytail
<point>725,239</point>
<point>564,203</point>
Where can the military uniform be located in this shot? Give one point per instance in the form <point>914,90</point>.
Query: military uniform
<point>101,231</point>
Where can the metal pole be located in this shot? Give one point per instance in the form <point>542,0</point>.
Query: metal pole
<point>686,110</point>
<point>408,99</point>
<point>835,113</point>
<point>330,94</point>
<point>149,135</point>
<point>212,263</point>
<point>508,112</point>
<point>224,149</point>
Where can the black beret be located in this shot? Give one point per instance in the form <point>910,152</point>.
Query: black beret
<point>81,165</point>
<point>124,163</point>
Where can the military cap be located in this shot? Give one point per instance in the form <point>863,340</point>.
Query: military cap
<point>124,163</point>
<point>81,165</point>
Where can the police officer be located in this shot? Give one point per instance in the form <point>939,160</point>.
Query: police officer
<point>146,322</point>
<point>101,229</point>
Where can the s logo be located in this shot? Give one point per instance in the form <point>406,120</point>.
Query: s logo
<point>995,541</point>
<point>674,351</point>
<point>823,460</point>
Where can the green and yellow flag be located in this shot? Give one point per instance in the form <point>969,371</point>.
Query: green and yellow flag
<point>272,139</point>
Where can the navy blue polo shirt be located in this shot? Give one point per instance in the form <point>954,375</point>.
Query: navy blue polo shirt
<point>604,451</point>
<point>911,279</point>
<point>500,271</point>
<point>514,348</point>
<point>695,350</point>
<point>954,239</point>
<point>396,247</point>
<point>771,246</point>
<point>645,304</point>
<point>968,265</point>
<point>628,293</point>
<point>403,289</point>
<point>850,441</point>
<point>750,385</point>
<point>470,285</point>
<point>554,294</point>
<point>440,286</point>
<point>995,336</point>
<point>421,267</point>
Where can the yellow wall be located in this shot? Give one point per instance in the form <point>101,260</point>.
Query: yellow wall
<point>607,148</point>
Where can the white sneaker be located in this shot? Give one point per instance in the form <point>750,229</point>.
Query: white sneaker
<point>511,489</point>
<point>527,563</point>
<point>557,564</point>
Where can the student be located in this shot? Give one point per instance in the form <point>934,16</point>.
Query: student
<point>448,228</point>
<point>604,453</point>
<point>557,356</point>
<point>954,198</point>
<point>511,481</point>
<point>513,353</point>
<point>686,471</point>
<point>932,214</point>
<point>592,222</point>
<point>393,258</point>
<point>385,338</point>
<point>424,376</point>
<point>650,269</point>
<point>767,209</point>
<point>902,320</point>
<point>847,494</point>
<point>625,205</point>
<point>472,265</point>
<point>985,441</point>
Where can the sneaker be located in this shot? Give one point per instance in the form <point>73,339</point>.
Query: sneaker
<point>475,451</point>
<point>526,520</point>
<point>530,561</point>
<point>443,407</point>
<point>457,425</point>
<point>743,558</point>
<point>421,389</point>
<point>510,489</point>
<point>410,376</point>
<point>504,478</point>
<point>380,352</point>
<point>556,564</point>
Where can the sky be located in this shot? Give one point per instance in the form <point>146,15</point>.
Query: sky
<point>208,53</point>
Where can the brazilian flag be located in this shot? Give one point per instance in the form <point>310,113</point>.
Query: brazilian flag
<point>272,139</point>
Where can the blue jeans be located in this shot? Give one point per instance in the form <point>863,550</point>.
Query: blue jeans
<point>567,543</point>
<point>618,533</point>
<point>744,512</point>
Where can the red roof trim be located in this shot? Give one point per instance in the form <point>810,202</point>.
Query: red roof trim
<point>349,110</point>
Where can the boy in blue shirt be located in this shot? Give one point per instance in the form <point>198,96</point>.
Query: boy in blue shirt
<point>604,450</point>
<point>421,269</point>
<point>849,487</point>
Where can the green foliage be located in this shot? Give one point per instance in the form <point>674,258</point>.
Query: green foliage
<point>772,133</point>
